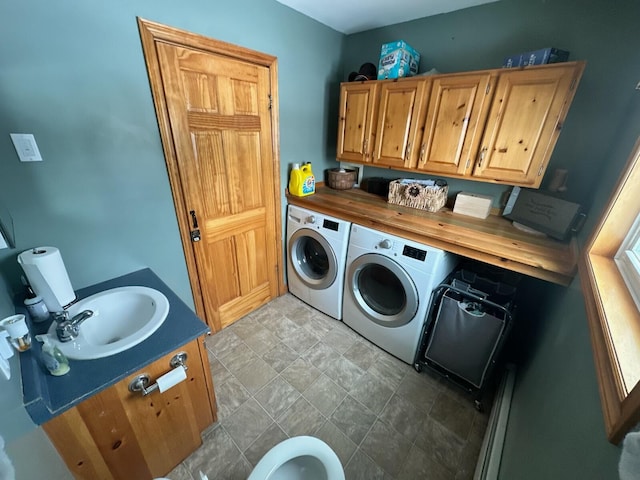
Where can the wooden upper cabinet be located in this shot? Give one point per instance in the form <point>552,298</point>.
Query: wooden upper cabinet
<point>357,118</point>
<point>457,109</point>
<point>527,112</point>
<point>497,126</point>
<point>400,123</point>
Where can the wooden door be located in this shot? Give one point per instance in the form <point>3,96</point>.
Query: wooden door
<point>117,434</point>
<point>400,123</point>
<point>356,121</point>
<point>458,106</point>
<point>524,123</point>
<point>215,103</point>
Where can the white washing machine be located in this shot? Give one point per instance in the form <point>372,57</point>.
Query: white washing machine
<point>388,285</point>
<point>316,257</point>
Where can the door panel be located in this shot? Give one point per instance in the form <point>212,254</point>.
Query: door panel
<point>356,121</point>
<point>522,126</point>
<point>400,123</point>
<point>218,110</point>
<point>457,109</point>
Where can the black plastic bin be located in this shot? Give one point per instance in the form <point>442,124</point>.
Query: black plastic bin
<point>468,323</point>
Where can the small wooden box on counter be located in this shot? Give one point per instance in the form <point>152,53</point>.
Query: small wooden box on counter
<point>473,204</point>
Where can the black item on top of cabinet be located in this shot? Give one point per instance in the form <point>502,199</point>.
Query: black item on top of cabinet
<point>467,325</point>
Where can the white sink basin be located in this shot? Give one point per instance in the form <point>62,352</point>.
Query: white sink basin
<point>122,318</point>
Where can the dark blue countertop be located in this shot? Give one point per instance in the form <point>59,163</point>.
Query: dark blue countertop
<point>46,396</point>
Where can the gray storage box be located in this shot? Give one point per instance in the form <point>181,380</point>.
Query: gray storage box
<point>465,338</point>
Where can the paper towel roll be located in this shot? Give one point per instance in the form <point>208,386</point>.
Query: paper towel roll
<point>48,277</point>
<point>171,379</point>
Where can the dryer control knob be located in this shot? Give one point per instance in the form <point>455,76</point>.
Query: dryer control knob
<point>311,219</point>
<point>386,244</point>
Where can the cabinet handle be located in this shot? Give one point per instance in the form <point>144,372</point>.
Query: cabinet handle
<point>482,154</point>
<point>423,148</point>
<point>408,154</point>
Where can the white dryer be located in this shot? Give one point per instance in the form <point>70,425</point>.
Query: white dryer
<point>388,285</point>
<point>316,256</point>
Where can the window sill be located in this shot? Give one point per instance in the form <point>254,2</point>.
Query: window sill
<point>614,318</point>
<point>615,338</point>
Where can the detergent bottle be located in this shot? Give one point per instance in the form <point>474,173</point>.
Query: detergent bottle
<point>308,180</point>
<point>295,180</point>
<point>302,182</point>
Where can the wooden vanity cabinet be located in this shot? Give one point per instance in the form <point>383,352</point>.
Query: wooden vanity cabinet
<point>356,121</point>
<point>457,109</point>
<point>526,116</point>
<point>400,122</point>
<point>117,434</point>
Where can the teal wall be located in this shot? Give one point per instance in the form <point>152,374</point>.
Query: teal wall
<point>600,32</point>
<point>556,428</point>
<point>73,74</point>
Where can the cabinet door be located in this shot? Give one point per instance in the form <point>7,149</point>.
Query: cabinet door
<point>457,110</point>
<point>117,434</point>
<point>524,122</point>
<point>357,117</point>
<point>400,123</point>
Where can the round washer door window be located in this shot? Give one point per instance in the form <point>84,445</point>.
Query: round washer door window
<point>313,259</point>
<point>383,290</point>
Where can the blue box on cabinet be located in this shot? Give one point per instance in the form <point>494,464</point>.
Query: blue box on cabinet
<point>536,57</point>
<point>397,59</point>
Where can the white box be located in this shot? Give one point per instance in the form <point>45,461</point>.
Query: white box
<point>473,204</point>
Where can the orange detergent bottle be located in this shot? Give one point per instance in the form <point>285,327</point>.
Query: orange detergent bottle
<point>301,181</point>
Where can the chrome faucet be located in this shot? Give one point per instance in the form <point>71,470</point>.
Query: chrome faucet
<point>68,329</point>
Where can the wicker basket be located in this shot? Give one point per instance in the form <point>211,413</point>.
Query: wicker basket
<point>341,179</point>
<point>429,195</point>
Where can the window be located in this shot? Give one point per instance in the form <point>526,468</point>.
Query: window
<point>609,272</point>
<point>628,261</point>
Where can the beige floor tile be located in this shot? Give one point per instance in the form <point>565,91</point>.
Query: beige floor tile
<point>315,376</point>
<point>256,375</point>
<point>301,374</point>
<point>247,423</point>
<point>325,395</point>
<point>280,357</point>
<point>361,467</point>
<point>353,419</point>
<point>388,448</point>
<point>338,441</point>
<point>301,418</point>
<point>277,396</point>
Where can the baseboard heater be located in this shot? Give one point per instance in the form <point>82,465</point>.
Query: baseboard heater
<point>488,465</point>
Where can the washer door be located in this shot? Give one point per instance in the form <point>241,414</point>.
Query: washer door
<point>382,290</point>
<point>312,258</point>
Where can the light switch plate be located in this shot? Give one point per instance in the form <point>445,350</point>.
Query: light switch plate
<point>25,144</point>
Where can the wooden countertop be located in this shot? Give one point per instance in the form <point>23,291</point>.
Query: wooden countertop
<point>494,241</point>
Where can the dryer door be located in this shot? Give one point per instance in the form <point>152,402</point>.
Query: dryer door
<point>382,290</point>
<point>312,258</point>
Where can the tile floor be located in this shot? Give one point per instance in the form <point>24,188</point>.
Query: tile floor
<point>287,369</point>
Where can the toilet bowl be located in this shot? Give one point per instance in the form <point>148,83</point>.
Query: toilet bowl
<point>299,458</point>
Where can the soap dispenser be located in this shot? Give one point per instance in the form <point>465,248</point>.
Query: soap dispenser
<point>53,358</point>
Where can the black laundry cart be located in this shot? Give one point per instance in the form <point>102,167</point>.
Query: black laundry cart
<point>468,323</point>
